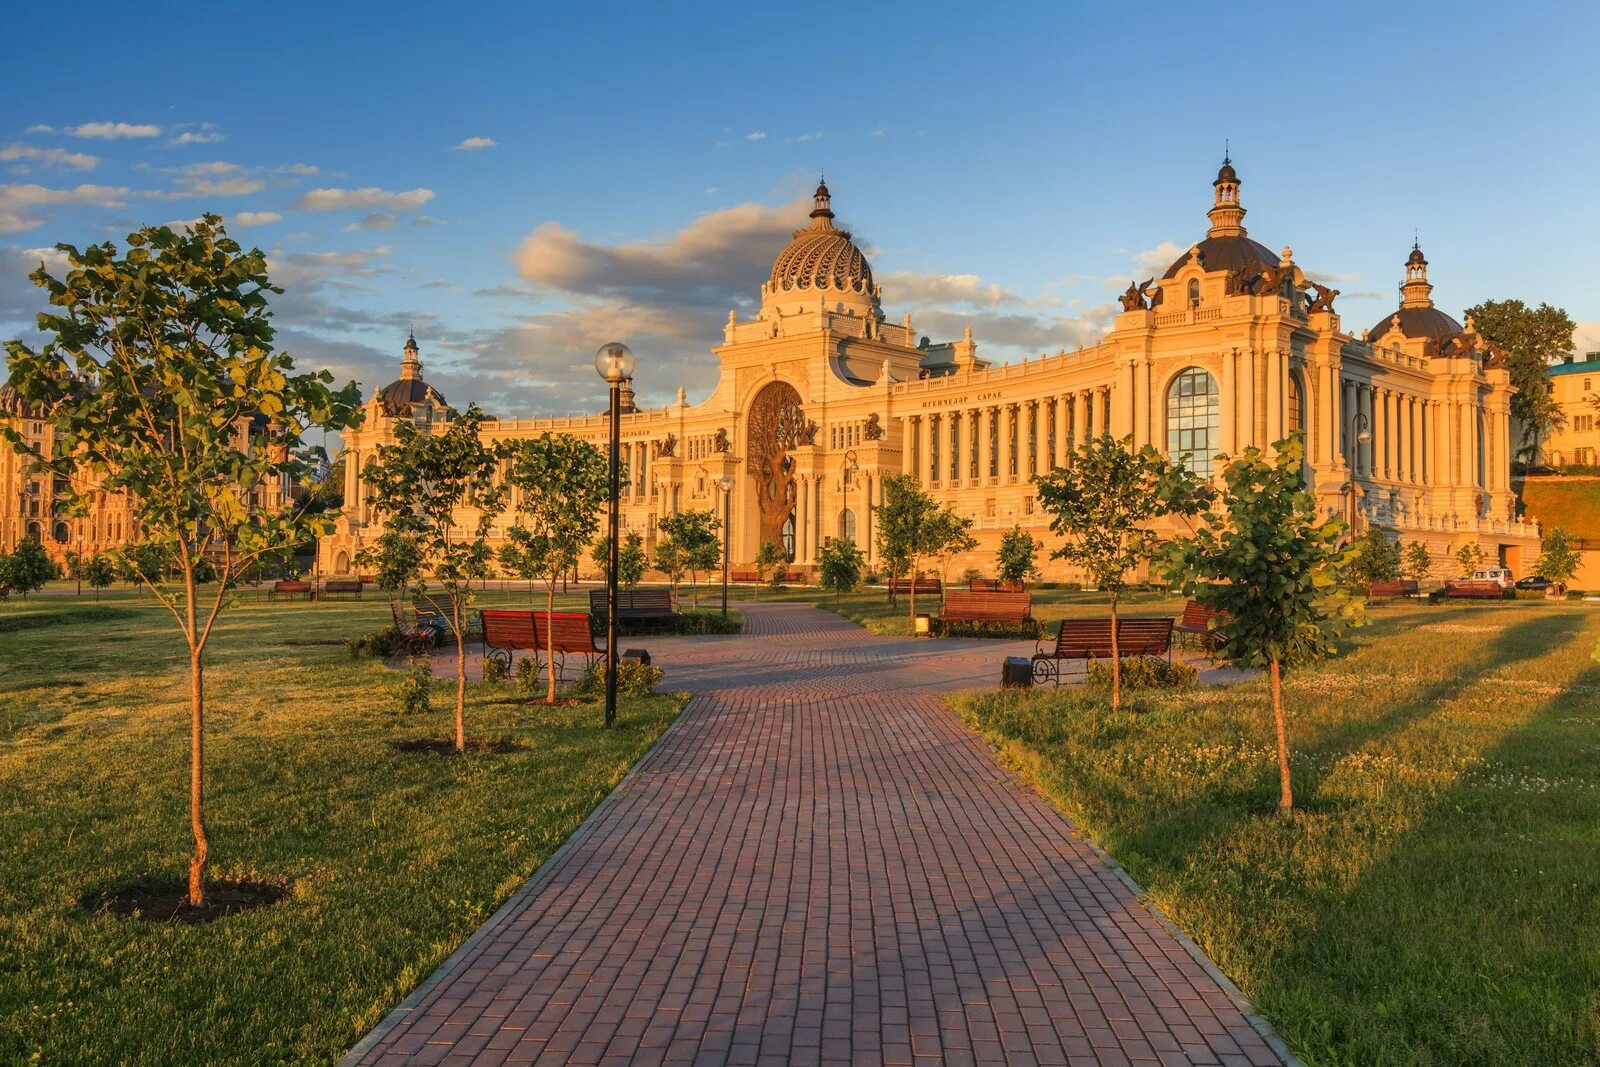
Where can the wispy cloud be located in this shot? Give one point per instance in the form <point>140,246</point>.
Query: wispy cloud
<point>378,220</point>
<point>756,135</point>
<point>474,144</point>
<point>254,218</point>
<point>368,197</point>
<point>49,157</point>
<point>107,131</point>
<point>207,133</point>
<point>303,169</point>
<point>19,202</point>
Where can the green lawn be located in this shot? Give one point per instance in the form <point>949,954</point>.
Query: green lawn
<point>1437,898</point>
<point>391,859</point>
<point>871,607</point>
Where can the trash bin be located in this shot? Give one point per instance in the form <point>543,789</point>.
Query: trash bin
<point>638,655</point>
<point>1016,673</point>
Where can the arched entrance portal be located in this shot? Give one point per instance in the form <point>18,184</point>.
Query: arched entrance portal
<point>777,426</point>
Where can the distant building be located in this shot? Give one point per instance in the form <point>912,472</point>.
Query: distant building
<point>822,395</point>
<point>1575,387</point>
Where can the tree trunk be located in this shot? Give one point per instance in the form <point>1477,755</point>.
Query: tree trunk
<point>461,677</point>
<point>550,639</point>
<point>694,586</point>
<point>911,595</point>
<point>197,700</point>
<point>1286,791</point>
<point>1116,658</point>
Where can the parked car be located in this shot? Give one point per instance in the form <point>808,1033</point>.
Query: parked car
<point>1499,575</point>
<point>1534,581</point>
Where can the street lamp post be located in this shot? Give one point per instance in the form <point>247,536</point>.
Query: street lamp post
<point>614,362</point>
<point>850,468</point>
<point>725,483</point>
<point>1361,436</point>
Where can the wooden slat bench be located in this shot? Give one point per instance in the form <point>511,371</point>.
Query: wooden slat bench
<point>1090,639</point>
<point>634,605</point>
<point>303,590</point>
<point>572,637</point>
<point>924,587</point>
<point>417,638</point>
<point>748,575</point>
<point>1195,622</point>
<point>995,585</point>
<point>507,632</point>
<point>1473,588</point>
<point>979,608</point>
<point>429,607</point>
<point>341,587</point>
<point>1397,587</point>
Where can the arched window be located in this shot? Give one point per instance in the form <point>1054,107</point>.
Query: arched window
<point>788,538</point>
<point>1297,404</point>
<point>1194,292</point>
<point>1192,422</point>
<point>61,533</point>
<point>847,525</point>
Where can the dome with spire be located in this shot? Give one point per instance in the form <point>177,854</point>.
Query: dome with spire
<point>821,258</point>
<point>400,398</point>
<point>1417,317</point>
<point>1227,246</point>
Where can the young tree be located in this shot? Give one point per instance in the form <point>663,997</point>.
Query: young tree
<point>1271,567</point>
<point>1558,561</point>
<point>1103,504</point>
<point>912,527</point>
<point>99,572</point>
<point>670,561</point>
<point>1533,339</point>
<point>954,535</point>
<point>1469,557</point>
<point>1015,560</point>
<point>559,485</point>
<point>419,486</point>
<point>695,539</point>
<point>1418,562</point>
<point>1374,558</point>
<point>769,560</point>
<point>135,561</point>
<point>630,560</point>
<point>840,564</point>
<point>518,564</point>
<point>27,568</point>
<point>162,383</point>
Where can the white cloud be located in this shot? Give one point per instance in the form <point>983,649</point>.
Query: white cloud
<point>757,135</point>
<point>297,168</point>
<point>197,137</point>
<point>224,187</point>
<point>473,144</point>
<point>254,218</point>
<point>50,157</point>
<point>18,201</point>
<point>366,197</point>
<point>1156,260</point>
<point>215,167</point>
<point>113,131</point>
<point>378,220</point>
<point>41,128</point>
<point>910,287</point>
<point>804,137</point>
<point>1586,338</point>
<point>426,220</point>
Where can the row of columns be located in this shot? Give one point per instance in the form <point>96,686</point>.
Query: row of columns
<point>1421,441</point>
<point>1012,441</point>
<point>819,511</point>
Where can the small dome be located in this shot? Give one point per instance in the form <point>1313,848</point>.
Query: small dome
<point>1226,173</point>
<point>1425,322</point>
<point>397,398</point>
<point>1231,253</point>
<point>1416,256</point>
<point>821,257</point>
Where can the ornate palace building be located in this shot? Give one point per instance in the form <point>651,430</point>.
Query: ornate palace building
<point>822,395</point>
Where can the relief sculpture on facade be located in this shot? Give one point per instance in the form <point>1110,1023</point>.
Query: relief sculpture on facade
<point>777,427</point>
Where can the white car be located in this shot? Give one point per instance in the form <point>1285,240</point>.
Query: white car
<point>1499,575</point>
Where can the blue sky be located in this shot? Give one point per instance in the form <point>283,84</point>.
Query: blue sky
<point>1008,167</point>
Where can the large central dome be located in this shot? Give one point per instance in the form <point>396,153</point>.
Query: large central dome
<point>821,258</point>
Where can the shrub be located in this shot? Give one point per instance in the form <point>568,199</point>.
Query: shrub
<point>696,623</point>
<point>634,679</point>
<point>1531,594</point>
<point>495,670</point>
<point>527,674</point>
<point>415,691</point>
<point>1575,594</point>
<point>385,643</point>
<point>840,566</point>
<point>970,575</point>
<point>1145,672</point>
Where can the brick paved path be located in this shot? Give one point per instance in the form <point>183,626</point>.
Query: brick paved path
<point>819,864</point>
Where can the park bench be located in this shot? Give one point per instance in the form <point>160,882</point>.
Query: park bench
<point>304,590</point>
<point>634,605</point>
<point>1395,587</point>
<point>429,608</point>
<point>1474,588</point>
<point>1090,639</point>
<point>570,630</point>
<point>980,608</point>
<point>507,632</point>
<point>994,585</point>
<point>341,587</point>
<point>417,638</point>
<point>5,591</point>
<point>1195,622</point>
<point>924,587</point>
<point>748,575</point>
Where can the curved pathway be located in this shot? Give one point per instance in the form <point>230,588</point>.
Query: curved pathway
<point>819,863</point>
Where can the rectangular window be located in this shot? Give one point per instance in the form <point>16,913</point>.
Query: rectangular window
<point>1011,446</point>
<point>955,448</point>
<point>933,449</point>
<point>1050,428</point>
<point>977,428</point>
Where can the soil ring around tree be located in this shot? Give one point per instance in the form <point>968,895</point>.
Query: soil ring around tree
<point>445,746</point>
<point>541,702</point>
<point>166,900</point>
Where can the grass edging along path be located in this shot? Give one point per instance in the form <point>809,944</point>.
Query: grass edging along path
<point>1434,900</point>
<point>391,859</point>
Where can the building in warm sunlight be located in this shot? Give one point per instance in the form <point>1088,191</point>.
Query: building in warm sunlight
<point>822,394</point>
<point>1575,387</point>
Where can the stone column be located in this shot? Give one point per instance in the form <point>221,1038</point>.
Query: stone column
<point>1275,383</point>
<point>1332,405</point>
<point>1058,411</point>
<point>1347,393</point>
<point>929,429</point>
<point>1247,400</point>
<point>1035,452</point>
<point>1228,408</point>
<point>908,449</point>
<point>1424,449</point>
<point>1080,419</point>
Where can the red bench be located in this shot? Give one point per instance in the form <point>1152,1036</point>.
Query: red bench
<point>418,639</point>
<point>979,608</point>
<point>1195,622</point>
<point>1090,639</point>
<point>304,590</point>
<point>1396,587</point>
<point>924,586</point>
<point>506,632</point>
<point>995,585</point>
<point>341,587</point>
<point>749,575</point>
<point>1474,588</point>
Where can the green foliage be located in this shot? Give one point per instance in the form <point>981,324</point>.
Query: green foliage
<point>839,565</point>
<point>631,558</point>
<point>71,565</point>
<point>1558,560</point>
<point>1269,564</point>
<point>1417,563</point>
<point>1102,505</point>
<point>1533,338</point>
<point>381,645</point>
<point>691,539</point>
<point>417,487</point>
<point>27,568</point>
<point>1015,559</point>
<point>1373,558</point>
<point>699,623</point>
<point>1145,672</point>
<point>770,562</point>
<point>912,527</point>
<point>634,679</point>
<point>1469,557</point>
<point>495,670</point>
<point>414,692</point>
<point>954,535</point>
<point>99,571</point>
<point>527,670</point>
<point>971,574</point>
